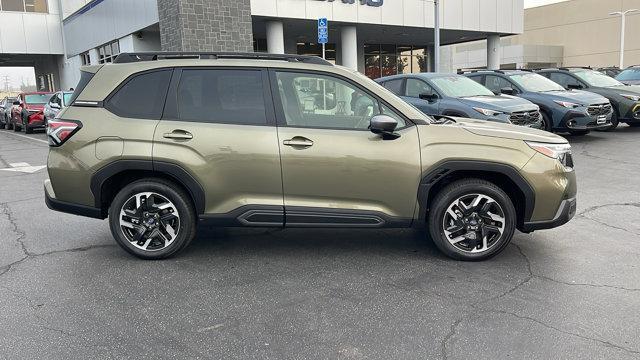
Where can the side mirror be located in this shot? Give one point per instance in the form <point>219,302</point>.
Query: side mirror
<point>16,103</point>
<point>429,97</point>
<point>574,87</point>
<point>507,91</point>
<point>384,125</point>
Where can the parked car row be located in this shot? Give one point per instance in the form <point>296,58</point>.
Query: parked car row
<point>572,100</point>
<point>32,110</point>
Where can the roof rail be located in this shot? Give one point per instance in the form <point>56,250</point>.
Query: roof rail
<point>460,72</point>
<point>124,58</point>
<point>567,68</point>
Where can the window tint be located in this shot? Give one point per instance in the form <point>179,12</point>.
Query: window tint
<point>320,101</point>
<point>222,96</point>
<point>142,96</point>
<point>416,87</point>
<point>395,86</point>
<point>496,83</point>
<point>85,77</point>
<point>563,79</point>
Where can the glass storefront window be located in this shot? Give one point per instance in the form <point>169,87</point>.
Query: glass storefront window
<point>12,5</point>
<point>316,50</point>
<point>395,59</point>
<point>39,6</point>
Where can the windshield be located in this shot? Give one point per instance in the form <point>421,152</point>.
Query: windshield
<point>460,86</point>
<point>67,98</point>
<point>596,78</point>
<point>535,83</point>
<point>629,74</point>
<point>38,98</point>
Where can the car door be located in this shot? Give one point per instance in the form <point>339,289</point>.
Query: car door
<point>414,88</point>
<point>219,126</point>
<point>335,171</point>
<point>49,111</point>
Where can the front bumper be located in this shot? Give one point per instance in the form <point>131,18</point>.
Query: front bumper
<point>580,120</point>
<point>66,207</point>
<point>633,115</point>
<point>565,212</point>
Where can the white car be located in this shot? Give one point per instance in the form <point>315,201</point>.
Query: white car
<point>58,101</point>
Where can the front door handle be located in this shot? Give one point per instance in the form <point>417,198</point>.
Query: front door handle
<point>178,135</point>
<point>298,142</point>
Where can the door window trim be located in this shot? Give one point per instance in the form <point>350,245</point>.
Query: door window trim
<point>171,103</point>
<point>279,110</point>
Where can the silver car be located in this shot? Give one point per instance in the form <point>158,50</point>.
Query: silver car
<point>58,101</point>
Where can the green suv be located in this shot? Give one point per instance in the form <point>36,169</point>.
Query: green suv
<point>160,142</point>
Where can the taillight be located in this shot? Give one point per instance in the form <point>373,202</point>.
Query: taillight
<point>59,131</point>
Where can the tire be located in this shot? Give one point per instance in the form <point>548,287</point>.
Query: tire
<point>614,122</point>
<point>498,205</point>
<point>27,129</point>
<point>16,127</point>
<point>547,124</point>
<point>152,247</point>
<point>2,126</point>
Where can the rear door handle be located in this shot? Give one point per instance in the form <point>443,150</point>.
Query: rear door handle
<point>178,135</point>
<point>299,142</point>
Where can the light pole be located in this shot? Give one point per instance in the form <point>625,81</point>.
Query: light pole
<point>436,36</point>
<point>623,15</point>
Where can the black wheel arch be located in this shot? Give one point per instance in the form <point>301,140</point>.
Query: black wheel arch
<point>108,180</point>
<point>505,176</point>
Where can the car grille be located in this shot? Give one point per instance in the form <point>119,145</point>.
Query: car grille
<point>599,109</point>
<point>524,117</point>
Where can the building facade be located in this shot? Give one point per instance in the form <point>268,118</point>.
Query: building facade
<point>570,33</point>
<point>376,37</point>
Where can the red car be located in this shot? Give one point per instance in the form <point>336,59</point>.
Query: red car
<point>28,111</point>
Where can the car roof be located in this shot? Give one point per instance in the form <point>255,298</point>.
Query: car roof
<point>497,72</point>
<point>424,75</point>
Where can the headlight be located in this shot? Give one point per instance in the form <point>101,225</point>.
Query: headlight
<point>566,104</point>
<point>487,112</point>
<point>562,152</point>
<point>631,97</point>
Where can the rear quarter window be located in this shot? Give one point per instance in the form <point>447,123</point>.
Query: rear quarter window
<point>85,78</point>
<point>141,96</point>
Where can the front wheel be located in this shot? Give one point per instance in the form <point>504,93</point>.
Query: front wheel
<point>152,219</point>
<point>547,123</point>
<point>614,122</point>
<point>472,220</point>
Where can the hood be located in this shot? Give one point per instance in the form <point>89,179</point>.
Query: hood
<point>507,131</point>
<point>576,96</point>
<point>502,103</point>
<point>632,88</point>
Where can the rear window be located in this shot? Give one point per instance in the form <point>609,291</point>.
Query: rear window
<point>222,96</point>
<point>38,98</point>
<point>67,98</point>
<point>85,77</point>
<point>142,96</point>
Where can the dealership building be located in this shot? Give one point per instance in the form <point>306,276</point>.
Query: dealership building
<point>376,37</point>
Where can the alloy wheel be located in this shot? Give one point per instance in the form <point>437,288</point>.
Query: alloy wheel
<point>474,223</point>
<point>149,221</point>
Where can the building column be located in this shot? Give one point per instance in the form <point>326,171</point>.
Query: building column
<point>493,52</point>
<point>226,25</point>
<point>275,37</point>
<point>349,46</point>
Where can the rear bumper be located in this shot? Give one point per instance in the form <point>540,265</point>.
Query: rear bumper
<point>69,208</point>
<point>565,212</point>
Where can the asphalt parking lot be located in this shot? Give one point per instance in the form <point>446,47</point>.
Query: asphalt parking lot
<point>67,291</point>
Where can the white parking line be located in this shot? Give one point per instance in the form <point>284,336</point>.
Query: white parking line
<point>26,137</point>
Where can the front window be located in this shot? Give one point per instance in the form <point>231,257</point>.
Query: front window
<point>535,83</point>
<point>459,86</point>
<point>38,98</point>
<point>320,101</point>
<point>38,6</point>
<point>67,98</point>
<point>629,74</point>
<point>596,78</point>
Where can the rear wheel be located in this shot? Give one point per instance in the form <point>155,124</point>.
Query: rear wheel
<point>152,219</point>
<point>472,220</point>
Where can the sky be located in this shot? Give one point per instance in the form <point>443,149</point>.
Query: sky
<point>18,75</point>
<point>534,3</point>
